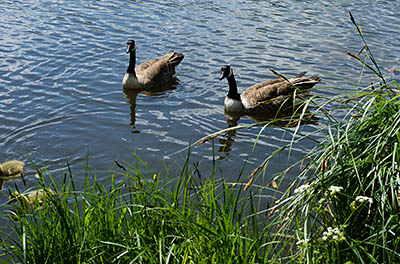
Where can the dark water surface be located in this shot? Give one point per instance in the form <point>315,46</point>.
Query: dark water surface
<point>62,63</point>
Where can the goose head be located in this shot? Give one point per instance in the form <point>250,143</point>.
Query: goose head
<point>226,72</point>
<point>131,46</point>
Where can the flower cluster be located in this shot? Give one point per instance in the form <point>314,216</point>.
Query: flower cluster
<point>333,234</point>
<point>302,188</point>
<point>303,242</point>
<point>334,189</point>
<point>360,200</point>
<point>364,199</point>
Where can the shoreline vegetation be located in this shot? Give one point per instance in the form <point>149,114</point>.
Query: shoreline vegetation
<point>342,208</point>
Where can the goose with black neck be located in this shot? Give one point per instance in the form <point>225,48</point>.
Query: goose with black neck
<point>150,74</point>
<point>268,97</point>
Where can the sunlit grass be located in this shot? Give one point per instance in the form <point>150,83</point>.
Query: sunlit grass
<point>145,218</point>
<point>351,185</point>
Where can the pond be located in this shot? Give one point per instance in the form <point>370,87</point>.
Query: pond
<point>62,63</point>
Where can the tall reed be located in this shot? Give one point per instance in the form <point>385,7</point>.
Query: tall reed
<point>145,218</point>
<point>344,206</point>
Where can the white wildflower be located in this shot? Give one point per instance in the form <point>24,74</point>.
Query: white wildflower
<point>333,234</point>
<point>334,189</point>
<point>303,242</point>
<point>364,199</point>
<point>302,188</point>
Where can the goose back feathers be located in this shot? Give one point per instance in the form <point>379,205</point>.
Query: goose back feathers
<point>151,73</point>
<point>265,97</point>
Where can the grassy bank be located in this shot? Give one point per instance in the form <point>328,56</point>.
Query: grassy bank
<point>345,204</point>
<point>146,218</point>
<point>344,207</point>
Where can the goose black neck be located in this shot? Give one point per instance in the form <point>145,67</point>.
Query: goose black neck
<point>132,62</point>
<point>233,92</point>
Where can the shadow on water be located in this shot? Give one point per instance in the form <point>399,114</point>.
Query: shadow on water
<point>287,118</point>
<point>132,94</point>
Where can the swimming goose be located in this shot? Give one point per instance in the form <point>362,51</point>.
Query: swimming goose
<point>266,97</point>
<point>152,73</point>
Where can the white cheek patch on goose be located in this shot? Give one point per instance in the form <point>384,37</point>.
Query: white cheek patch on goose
<point>230,73</point>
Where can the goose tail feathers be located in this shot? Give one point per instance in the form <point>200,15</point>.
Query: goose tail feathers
<point>306,83</point>
<point>174,58</point>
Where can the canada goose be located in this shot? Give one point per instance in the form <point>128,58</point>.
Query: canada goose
<point>152,73</point>
<point>266,97</point>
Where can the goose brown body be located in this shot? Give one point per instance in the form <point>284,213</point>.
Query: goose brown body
<point>265,97</point>
<point>151,73</point>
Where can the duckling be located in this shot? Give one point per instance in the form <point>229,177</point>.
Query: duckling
<point>267,97</point>
<point>30,201</point>
<point>9,170</point>
<point>150,74</point>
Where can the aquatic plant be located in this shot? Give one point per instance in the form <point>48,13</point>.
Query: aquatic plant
<point>346,205</point>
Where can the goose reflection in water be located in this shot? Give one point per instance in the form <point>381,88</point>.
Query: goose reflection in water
<point>290,117</point>
<point>131,95</point>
